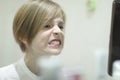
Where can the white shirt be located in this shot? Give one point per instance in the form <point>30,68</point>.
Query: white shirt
<point>8,73</point>
<point>17,71</point>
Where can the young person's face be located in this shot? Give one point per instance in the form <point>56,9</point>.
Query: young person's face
<point>50,39</point>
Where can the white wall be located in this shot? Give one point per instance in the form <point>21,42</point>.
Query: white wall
<point>84,35</point>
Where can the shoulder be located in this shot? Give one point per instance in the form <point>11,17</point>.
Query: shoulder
<point>8,73</point>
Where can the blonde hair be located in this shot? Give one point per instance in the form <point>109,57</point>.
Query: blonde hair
<point>31,17</point>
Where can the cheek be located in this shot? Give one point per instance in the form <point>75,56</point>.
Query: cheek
<point>62,36</point>
<point>43,39</point>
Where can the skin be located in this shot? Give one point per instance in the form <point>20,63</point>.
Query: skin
<point>48,41</point>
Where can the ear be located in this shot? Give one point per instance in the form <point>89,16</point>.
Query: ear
<point>24,41</point>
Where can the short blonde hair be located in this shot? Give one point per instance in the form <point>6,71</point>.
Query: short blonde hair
<point>31,17</point>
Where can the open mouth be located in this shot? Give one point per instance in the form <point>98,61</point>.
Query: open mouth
<point>55,43</point>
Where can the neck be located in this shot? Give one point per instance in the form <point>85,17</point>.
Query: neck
<point>31,62</point>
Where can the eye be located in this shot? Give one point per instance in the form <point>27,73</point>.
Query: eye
<point>47,26</point>
<point>61,27</point>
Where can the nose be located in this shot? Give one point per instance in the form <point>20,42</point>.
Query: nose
<point>56,30</point>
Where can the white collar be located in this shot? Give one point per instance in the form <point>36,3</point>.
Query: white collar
<point>24,72</point>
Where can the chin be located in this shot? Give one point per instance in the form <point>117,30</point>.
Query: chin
<point>55,51</point>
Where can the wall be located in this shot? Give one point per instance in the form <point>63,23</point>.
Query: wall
<point>84,34</point>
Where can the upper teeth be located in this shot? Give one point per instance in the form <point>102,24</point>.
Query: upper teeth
<point>55,42</point>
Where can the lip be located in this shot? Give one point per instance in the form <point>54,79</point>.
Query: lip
<point>55,40</point>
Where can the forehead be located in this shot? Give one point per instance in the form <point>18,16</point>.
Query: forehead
<point>58,20</point>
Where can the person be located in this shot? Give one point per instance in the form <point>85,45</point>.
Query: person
<point>38,28</point>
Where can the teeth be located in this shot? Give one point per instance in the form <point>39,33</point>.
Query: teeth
<point>55,43</point>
